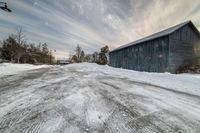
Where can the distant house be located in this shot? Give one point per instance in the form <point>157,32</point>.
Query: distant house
<point>62,62</point>
<point>164,51</point>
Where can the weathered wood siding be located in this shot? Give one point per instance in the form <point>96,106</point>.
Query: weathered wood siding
<point>151,56</point>
<point>182,45</point>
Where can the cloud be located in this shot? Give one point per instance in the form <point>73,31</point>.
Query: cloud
<point>94,23</point>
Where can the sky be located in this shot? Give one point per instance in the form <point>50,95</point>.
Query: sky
<point>93,24</point>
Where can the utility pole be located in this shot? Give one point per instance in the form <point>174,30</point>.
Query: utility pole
<point>5,7</point>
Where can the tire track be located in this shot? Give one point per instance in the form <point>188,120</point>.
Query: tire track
<point>66,100</point>
<point>140,83</point>
<point>150,122</point>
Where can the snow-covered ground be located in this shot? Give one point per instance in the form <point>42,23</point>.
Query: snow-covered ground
<point>188,83</point>
<point>91,98</point>
<point>10,69</point>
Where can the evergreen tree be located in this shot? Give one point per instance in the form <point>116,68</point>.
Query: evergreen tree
<point>103,58</point>
<point>26,53</point>
<point>82,56</point>
<point>9,49</point>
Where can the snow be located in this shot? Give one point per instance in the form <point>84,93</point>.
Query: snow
<point>88,97</point>
<point>185,83</point>
<point>10,69</point>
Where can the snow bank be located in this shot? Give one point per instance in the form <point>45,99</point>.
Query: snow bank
<point>9,68</point>
<point>184,83</point>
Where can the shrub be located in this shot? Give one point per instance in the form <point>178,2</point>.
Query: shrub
<point>188,69</point>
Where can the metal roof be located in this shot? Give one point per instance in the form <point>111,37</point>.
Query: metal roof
<point>154,36</point>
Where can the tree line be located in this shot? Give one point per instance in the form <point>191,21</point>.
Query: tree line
<point>97,57</point>
<point>16,49</point>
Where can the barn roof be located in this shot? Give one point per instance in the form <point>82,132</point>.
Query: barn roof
<point>156,35</point>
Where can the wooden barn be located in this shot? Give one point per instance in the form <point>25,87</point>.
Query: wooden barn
<point>164,51</point>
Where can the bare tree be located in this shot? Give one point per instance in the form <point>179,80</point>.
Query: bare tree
<point>20,36</point>
<point>78,53</point>
<point>20,39</point>
<point>95,57</point>
<point>70,55</point>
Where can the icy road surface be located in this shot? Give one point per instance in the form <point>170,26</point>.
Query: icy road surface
<point>75,99</point>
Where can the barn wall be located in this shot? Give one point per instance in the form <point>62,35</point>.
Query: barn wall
<point>151,56</point>
<point>183,44</point>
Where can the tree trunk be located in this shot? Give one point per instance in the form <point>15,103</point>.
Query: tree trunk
<point>25,61</point>
<point>18,60</point>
